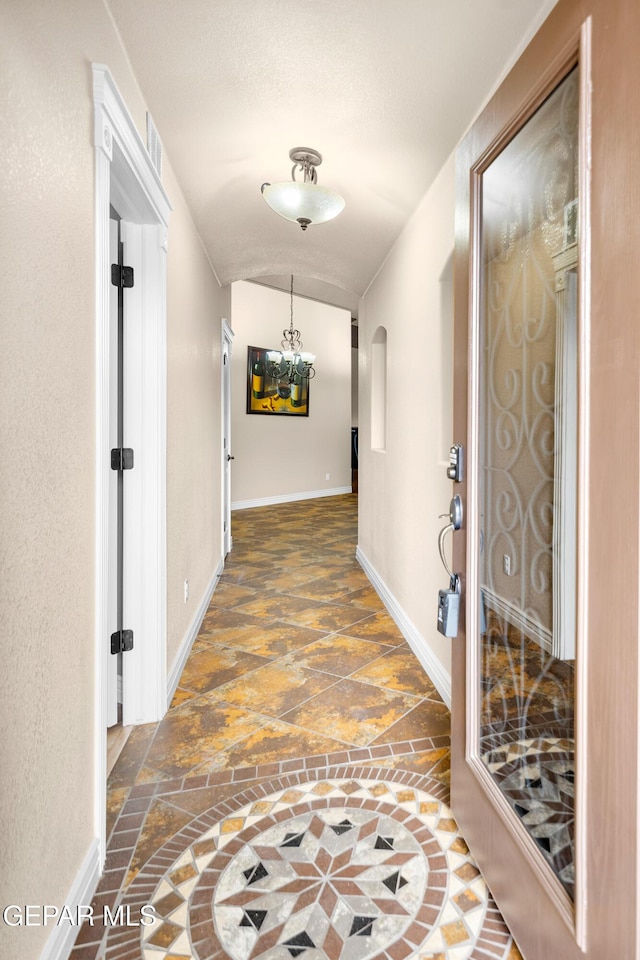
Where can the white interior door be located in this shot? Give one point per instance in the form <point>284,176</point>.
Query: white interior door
<point>113,573</point>
<point>227,457</point>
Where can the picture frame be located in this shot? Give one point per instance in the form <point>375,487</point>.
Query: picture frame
<point>271,396</point>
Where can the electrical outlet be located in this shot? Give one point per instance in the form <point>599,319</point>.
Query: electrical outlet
<point>186,590</point>
<point>327,476</point>
<point>506,564</point>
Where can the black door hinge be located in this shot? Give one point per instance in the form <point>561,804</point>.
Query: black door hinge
<point>121,276</point>
<point>122,458</point>
<point>122,641</point>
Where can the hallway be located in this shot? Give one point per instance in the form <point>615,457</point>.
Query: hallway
<point>293,800</point>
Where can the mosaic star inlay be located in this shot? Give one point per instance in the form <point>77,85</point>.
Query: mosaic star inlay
<point>343,870</point>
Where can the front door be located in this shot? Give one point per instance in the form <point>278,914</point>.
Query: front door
<point>545,665</point>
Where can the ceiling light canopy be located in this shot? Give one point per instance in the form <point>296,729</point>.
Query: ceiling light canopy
<point>303,201</point>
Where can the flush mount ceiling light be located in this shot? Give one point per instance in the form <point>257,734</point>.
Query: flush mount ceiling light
<point>303,201</point>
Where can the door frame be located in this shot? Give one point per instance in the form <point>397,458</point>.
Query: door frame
<point>126,178</point>
<point>606,921</point>
<point>225,406</point>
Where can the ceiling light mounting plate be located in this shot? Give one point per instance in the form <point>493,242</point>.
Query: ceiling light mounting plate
<point>305,159</point>
<point>306,154</point>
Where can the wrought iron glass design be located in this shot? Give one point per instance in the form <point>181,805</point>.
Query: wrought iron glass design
<point>527,473</point>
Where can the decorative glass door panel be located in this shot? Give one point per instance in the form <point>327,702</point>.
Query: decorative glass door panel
<point>526,474</point>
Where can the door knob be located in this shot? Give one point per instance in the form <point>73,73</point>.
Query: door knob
<point>455,512</point>
<point>455,522</point>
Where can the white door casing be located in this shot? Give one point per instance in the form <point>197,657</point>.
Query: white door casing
<point>126,178</point>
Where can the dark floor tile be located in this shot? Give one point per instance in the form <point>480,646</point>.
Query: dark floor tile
<point>323,588</point>
<point>380,627</point>
<point>363,597</point>
<point>276,688</point>
<point>196,802</point>
<point>87,952</point>
<point>194,732</point>
<point>355,713</point>
<point>272,640</point>
<point>274,742</point>
<point>162,822</point>
<point>216,620</point>
<point>428,718</point>
<point>337,655</point>
<point>231,595</point>
<point>212,667</point>
<point>329,617</point>
<point>131,758</point>
<point>398,669</point>
<point>277,607</point>
<point>116,797</point>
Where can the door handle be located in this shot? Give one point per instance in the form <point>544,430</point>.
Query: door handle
<point>449,600</point>
<point>229,457</point>
<point>455,522</point>
<point>455,513</point>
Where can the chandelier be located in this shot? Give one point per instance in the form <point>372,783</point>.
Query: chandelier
<point>290,362</point>
<point>303,202</point>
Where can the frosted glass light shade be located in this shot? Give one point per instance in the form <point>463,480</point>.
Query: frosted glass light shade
<point>303,203</point>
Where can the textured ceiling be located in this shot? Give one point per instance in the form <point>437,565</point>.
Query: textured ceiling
<point>384,89</point>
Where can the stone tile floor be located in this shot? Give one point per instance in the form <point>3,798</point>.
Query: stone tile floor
<point>292,802</point>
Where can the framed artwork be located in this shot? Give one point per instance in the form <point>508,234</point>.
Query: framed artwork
<point>271,395</point>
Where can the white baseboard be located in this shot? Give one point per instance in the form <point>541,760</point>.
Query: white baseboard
<point>62,938</point>
<point>515,616</point>
<point>185,647</point>
<point>289,498</point>
<point>438,674</point>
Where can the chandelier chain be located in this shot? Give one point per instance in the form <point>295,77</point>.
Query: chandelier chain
<point>291,337</point>
<point>291,365</point>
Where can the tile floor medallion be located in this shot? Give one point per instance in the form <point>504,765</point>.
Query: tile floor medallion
<point>342,869</point>
<point>293,800</point>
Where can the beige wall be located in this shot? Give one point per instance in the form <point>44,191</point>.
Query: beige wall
<point>354,387</point>
<point>403,488</point>
<point>48,409</point>
<point>277,456</point>
<point>195,306</point>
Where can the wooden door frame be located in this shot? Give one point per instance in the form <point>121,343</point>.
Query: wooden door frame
<point>606,908</point>
<point>126,178</point>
